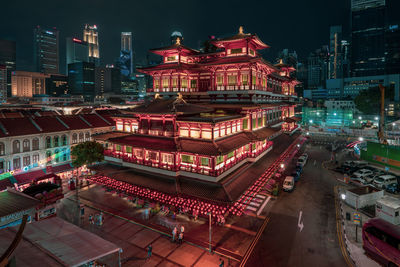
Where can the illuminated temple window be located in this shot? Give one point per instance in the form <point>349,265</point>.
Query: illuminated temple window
<point>195,133</point>
<point>184,83</point>
<point>128,149</point>
<point>206,134</point>
<point>128,128</point>
<point>151,155</point>
<point>232,80</point>
<point>220,80</point>
<point>165,82</point>
<point>245,79</point>
<point>216,132</point>
<point>120,126</point>
<point>167,158</point>
<point>187,158</point>
<point>174,82</point>
<point>205,161</point>
<point>184,132</point>
<point>138,153</point>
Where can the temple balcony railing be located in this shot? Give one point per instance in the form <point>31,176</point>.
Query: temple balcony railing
<point>156,132</point>
<point>205,170</point>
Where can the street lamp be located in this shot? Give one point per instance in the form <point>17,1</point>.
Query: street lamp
<point>360,118</point>
<point>361,138</point>
<point>376,118</point>
<point>311,121</point>
<point>343,196</point>
<point>282,165</point>
<point>334,114</point>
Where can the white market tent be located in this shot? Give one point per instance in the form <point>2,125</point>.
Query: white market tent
<point>68,244</point>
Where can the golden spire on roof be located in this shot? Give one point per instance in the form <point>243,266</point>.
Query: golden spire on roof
<point>281,61</point>
<point>241,30</point>
<point>178,41</point>
<point>157,96</point>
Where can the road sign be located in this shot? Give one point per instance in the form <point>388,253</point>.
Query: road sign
<point>357,218</point>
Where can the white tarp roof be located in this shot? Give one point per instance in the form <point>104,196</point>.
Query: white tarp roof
<point>70,244</point>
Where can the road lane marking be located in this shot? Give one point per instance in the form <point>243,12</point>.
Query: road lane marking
<point>339,233</point>
<point>300,223</point>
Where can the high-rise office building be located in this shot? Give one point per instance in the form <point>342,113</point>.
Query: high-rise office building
<point>368,20</point>
<point>126,54</point>
<point>77,51</point>
<point>57,85</point>
<point>8,57</point>
<point>392,49</point>
<point>3,83</point>
<point>335,52</point>
<point>107,80</point>
<point>81,79</point>
<point>318,66</point>
<point>28,84</point>
<point>91,36</point>
<point>46,49</point>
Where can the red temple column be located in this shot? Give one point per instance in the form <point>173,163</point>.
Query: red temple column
<point>251,79</point>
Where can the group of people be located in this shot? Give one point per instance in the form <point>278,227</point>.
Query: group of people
<point>97,219</point>
<point>180,235</point>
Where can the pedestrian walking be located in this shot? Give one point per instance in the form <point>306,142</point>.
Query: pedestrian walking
<point>146,214</point>
<point>91,219</point>
<point>149,252</point>
<point>182,228</point>
<point>221,263</point>
<point>180,238</point>
<point>101,216</point>
<point>174,232</point>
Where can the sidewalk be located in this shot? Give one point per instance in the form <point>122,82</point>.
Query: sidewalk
<point>134,240</point>
<point>353,246</point>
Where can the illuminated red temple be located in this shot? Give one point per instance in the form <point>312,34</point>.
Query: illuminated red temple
<point>211,113</point>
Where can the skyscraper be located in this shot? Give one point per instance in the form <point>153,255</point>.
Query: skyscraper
<point>335,52</point>
<point>108,80</point>
<point>45,43</point>
<point>126,54</point>
<point>8,57</point>
<point>368,18</point>
<point>318,67</point>
<point>81,79</point>
<point>3,83</point>
<point>77,51</point>
<point>91,36</point>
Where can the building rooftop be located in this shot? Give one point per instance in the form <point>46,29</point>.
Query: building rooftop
<point>176,106</point>
<point>14,202</point>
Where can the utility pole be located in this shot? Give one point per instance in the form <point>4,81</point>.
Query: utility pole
<point>209,230</point>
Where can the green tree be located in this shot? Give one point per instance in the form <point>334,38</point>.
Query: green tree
<point>369,101</point>
<point>87,153</point>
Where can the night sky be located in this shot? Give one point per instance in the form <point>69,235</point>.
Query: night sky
<point>299,25</point>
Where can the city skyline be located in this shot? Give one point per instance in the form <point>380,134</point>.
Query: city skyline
<point>155,32</point>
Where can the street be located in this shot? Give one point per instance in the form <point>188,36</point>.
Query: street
<point>282,243</point>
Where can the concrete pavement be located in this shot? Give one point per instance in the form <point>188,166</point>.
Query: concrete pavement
<point>315,242</point>
<point>134,239</point>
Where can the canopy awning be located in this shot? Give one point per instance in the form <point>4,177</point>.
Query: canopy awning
<point>69,244</point>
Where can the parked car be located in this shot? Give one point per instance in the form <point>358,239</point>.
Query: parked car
<point>302,161</point>
<point>355,163</point>
<point>288,184</point>
<point>383,181</point>
<point>368,179</point>
<point>296,175</point>
<point>299,169</point>
<point>393,188</point>
<point>362,173</point>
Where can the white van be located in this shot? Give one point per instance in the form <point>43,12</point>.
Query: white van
<point>288,184</point>
<point>384,180</point>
